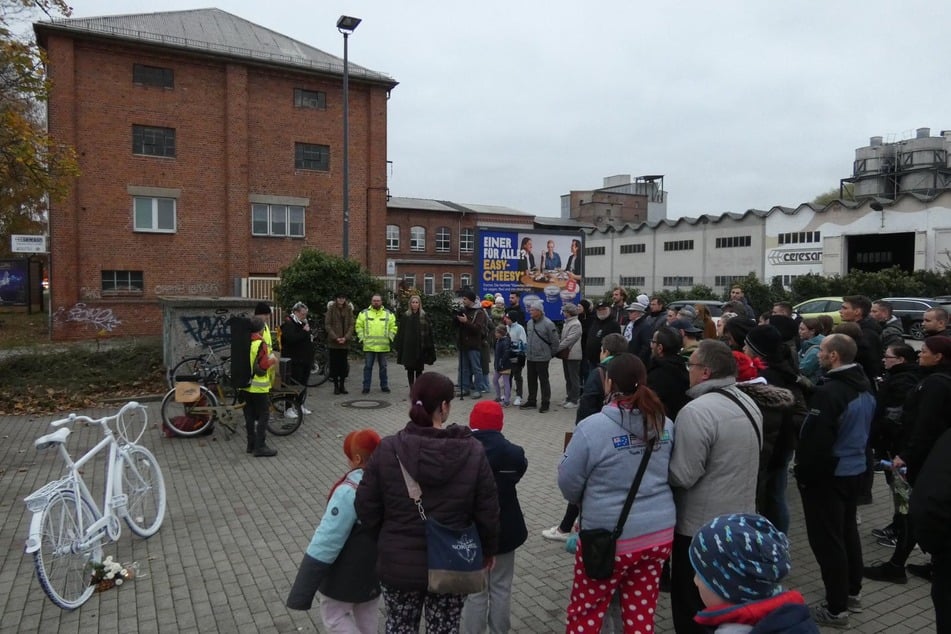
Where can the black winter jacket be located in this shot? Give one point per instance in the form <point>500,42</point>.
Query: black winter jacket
<point>296,342</point>
<point>508,465</point>
<point>599,328</point>
<point>896,384</point>
<point>870,349</point>
<point>458,488</point>
<point>931,499</point>
<point>927,415</point>
<point>668,377</point>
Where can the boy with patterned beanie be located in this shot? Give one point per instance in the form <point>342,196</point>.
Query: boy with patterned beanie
<point>739,561</point>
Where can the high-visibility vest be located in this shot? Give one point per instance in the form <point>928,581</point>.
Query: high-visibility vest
<point>376,329</point>
<point>259,384</point>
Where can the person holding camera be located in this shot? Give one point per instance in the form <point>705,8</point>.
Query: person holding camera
<point>519,342</point>
<point>471,321</point>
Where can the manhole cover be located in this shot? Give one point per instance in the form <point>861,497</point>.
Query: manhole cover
<point>365,403</point>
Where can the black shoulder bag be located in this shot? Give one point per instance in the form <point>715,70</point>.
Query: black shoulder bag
<point>598,545</point>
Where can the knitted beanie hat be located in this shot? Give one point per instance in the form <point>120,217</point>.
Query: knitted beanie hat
<point>786,326</point>
<point>741,557</point>
<point>486,416</point>
<point>764,341</point>
<point>745,368</point>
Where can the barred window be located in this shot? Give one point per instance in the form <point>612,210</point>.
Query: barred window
<point>678,280</point>
<point>678,245</point>
<point>800,237</point>
<point>594,281</point>
<point>734,241</point>
<point>153,141</point>
<point>632,280</point>
<point>594,251</point>
<point>727,280</point>
<point>308,156</point>
<point>633,248</point>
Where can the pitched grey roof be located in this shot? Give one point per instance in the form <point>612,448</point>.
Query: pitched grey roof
<point>212,31</point>
<point>427,204</point>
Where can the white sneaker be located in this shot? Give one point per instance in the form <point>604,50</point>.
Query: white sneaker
<point>554,534</point>
<point>570,405</point>
<point>517,401</point>
<point>290,413</point>
<point>305,410</point>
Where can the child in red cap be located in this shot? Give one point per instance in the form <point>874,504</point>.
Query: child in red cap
<point>492,606</point>
<point>340,561</point>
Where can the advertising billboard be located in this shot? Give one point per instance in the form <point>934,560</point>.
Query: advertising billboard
<point>538,265</point>
<point>13,282</point>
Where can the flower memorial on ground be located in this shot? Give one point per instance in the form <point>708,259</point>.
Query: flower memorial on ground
<point>109,574</point>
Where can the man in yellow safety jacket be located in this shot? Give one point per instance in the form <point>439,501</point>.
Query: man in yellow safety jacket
<point>263,310</point>
<point>375,328</point>
<point>257,405</point>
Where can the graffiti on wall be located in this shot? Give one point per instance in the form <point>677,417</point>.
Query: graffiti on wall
<point>210,330</point>
<point>101,319</point>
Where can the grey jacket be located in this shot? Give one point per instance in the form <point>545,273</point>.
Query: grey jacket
<point>715,461</point>
<point>542,339</point>
<point>571,338</point>
<point>599,467</point>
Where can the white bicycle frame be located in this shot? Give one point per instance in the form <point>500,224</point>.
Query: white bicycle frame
<point>114,500</point>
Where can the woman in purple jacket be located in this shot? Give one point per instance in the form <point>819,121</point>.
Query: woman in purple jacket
<point>458,488</point>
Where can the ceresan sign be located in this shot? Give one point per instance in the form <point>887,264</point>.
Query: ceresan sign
<point>795,256</point>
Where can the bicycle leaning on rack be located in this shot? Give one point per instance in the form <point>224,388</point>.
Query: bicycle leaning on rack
<point>68,528</point>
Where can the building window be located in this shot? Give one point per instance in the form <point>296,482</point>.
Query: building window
<point>594,281</point>
<point>392,237</point>
<point>873,257</point>
<point>679,245</point>
<point>727,280</point>
<point>122,283</point>
<point>417,239</point>
<point>429,284</point>
<point>788,280</point>
<point>465,280</point>
<point>447,281</point>
<point>152,141</point>
<point>443,240</point>
<point>153,76</point>
<point>594,251</point>
<point>734,241</point>
<point>678,280</point>
<point>308,156</point>
<point>153,214</point>
<point>800,237</point>
<point>632,280</point>
<point>633,248</point>
<point>277,220</point>
<point>310,99</point>
<point>409,280</point>
<point>467,240</point>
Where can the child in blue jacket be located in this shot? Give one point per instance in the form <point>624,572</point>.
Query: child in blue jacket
<point>340,561</point>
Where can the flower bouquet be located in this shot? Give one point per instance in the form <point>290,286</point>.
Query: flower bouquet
<point>108,574</point>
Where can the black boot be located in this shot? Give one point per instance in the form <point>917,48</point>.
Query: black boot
<point>261,450</point>
<point>343,388</point>
<point>337,384</point>
<point>249,427</point>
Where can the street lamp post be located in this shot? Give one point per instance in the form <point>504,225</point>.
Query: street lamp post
<point>346,25</point>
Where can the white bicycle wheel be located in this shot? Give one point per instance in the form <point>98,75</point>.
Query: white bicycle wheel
<point>144,486</point>
<point>63,569</point>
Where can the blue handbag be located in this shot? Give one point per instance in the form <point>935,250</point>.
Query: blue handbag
<point>454,556</point>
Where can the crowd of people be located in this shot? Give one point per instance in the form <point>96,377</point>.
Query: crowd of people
<point>686,434</point>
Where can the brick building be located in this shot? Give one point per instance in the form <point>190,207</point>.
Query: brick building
<point>431,243</point>
<point>210,152</point>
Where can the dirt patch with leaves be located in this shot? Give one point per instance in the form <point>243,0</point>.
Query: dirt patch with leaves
<point>43,380</point>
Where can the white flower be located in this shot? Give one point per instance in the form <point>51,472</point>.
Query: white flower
<point>124,572</point>
<point>119,581</point>
<point>110,575</point>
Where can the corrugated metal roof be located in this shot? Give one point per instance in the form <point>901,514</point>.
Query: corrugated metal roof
<point>213,31</point>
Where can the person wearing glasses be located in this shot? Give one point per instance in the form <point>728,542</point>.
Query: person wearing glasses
<point>713,466</point>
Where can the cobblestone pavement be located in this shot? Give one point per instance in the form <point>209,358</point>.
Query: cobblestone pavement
<point>237,526</point>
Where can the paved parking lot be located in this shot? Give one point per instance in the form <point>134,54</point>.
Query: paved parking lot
<point>237,526</point>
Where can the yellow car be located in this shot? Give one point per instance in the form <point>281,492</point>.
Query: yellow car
<point>820,306</point>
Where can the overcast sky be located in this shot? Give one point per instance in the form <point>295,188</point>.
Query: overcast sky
<point>738,104</point>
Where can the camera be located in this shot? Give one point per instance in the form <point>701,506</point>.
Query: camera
<point>459,312</point>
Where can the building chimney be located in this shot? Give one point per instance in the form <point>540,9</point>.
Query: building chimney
<point>922,133</point>
<point>875,141</point>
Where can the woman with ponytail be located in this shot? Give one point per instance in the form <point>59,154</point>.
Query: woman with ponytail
<point>458,488</point>
<point>597,472</point>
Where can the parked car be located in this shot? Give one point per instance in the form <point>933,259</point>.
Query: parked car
<point>820,306</point>
<point>911,311</point>
<point>715,306</point>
